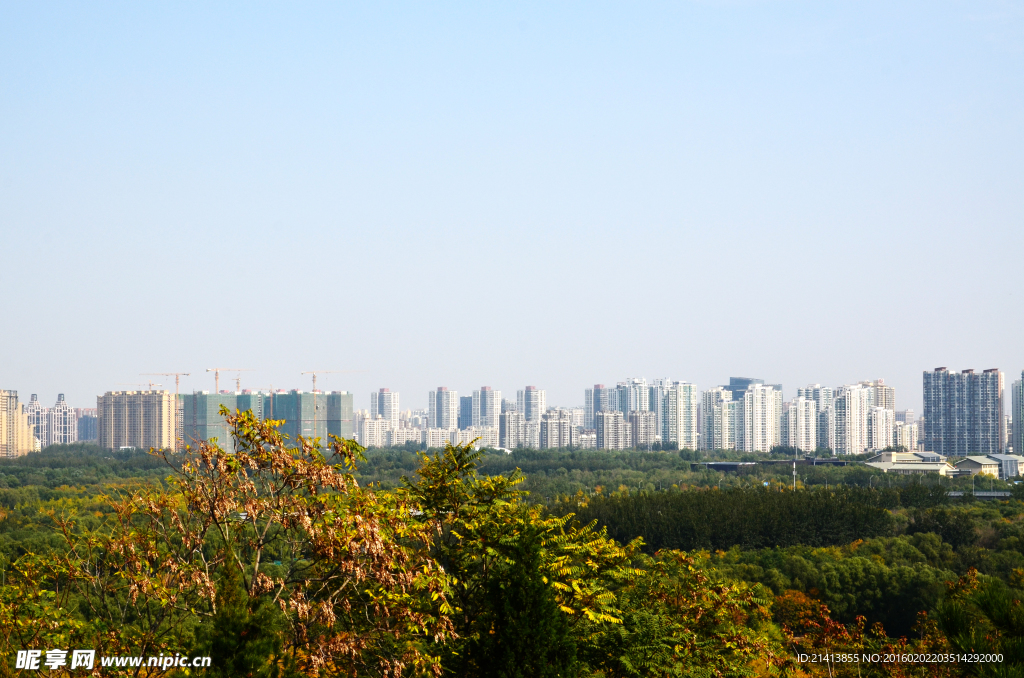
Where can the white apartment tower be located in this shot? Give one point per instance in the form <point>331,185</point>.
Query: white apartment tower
<point>373,431</point>
<point>852,408</point>
<point>824,398</point>
<point>598,399</point>
<point>762,418</point>
<point>656,393</point>
<point>1017,416</point>
<point>61,423</point>
<point>679,415</point>
<point>38,419</point>
<point>443,409</point>
<point>384,404</point>
<point>881,428</point>
<point>486,407</point>
<point>800,424</point>
<point>531,403</point>
<point>719,424</point>
<point>633,395</point>
<point>512,430</point>
<point>905,436</point>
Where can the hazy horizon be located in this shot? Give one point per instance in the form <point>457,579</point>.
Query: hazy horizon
<point>462,195</point>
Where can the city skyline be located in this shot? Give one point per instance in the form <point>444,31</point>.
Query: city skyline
<point>910,396</point>
<point>964,413</point>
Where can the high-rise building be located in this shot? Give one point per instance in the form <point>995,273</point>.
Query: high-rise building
<point>1017,416</point>
<point>905,436</point>
<point>201,419</point>
<point>16,435</point>
<point>718,432</point>
<point>465,412</point>
<point>679,415</point>
<point>556,430</point>
<point>614,432</point>
<point>904,416</point>
<point>486,407</point>
<point>656,392</point>
<point>587,439</point>
<point>512,429</point>
<point>385,403</point>
<point>311,414</point>
<point>824,398</point>
<point>139,419</point>
<point>739,385</point>
<point>881,428</point>
<point>302,413</point>
<point>821,395</point>
<point>880,394</point>
<point>373,431</point>
<point>963,412</point>
<point>443,408</point>
<point>852,408</point>
<point>532,403</point>
<point>39,421</point>
<point>762,418</point>
<point>633,395</point>
<point>644,429</point>
<point>598,399</point>
<point>86,422</point>
<point>800,424</point>
<point>62,423</point>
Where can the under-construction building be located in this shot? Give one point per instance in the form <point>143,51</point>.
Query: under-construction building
<point>137,419</point>
<point>302,413</point>
<point>16,435</point>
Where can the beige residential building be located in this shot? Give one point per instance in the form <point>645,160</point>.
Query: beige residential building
<point>141,419</point>
<point>16,435</point>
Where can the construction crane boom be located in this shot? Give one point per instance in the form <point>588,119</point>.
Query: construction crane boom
<point>177,378</point>
<point>216,374</point>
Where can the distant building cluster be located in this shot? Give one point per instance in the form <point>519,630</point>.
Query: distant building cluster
<point>963,417</point>
<point>25,427</point>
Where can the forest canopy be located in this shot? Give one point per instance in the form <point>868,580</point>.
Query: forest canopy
<point>307,557</point>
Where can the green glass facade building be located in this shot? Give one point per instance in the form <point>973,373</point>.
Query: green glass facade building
<point>303,413</point>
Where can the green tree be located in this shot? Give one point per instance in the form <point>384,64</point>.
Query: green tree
<point>507,620</point>
<point>245,635</point>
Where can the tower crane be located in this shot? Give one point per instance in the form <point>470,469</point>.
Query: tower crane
<point>216,374</point>
<point>177,379</point>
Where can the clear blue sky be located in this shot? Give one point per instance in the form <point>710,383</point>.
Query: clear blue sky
<point>545,193</point>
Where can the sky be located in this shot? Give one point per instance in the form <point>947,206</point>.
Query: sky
<point>463,194</point>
